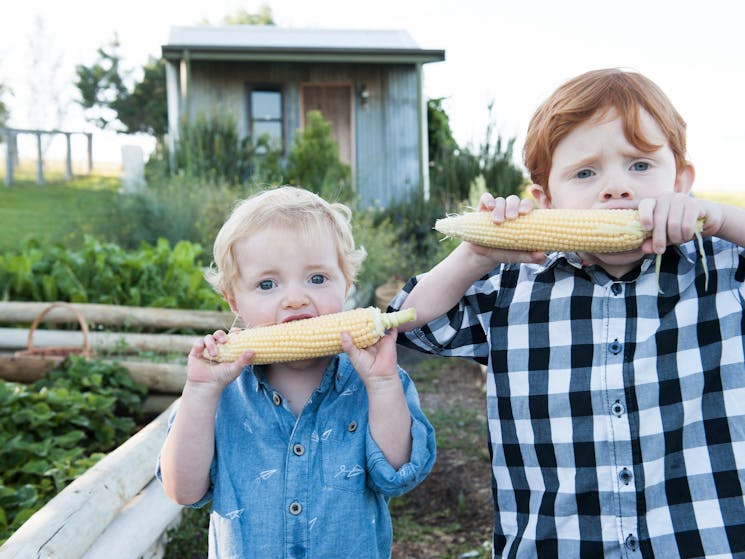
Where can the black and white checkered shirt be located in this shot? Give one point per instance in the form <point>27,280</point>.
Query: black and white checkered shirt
<point>616,413</point>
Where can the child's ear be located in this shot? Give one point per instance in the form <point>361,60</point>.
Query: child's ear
<point>541,195</point>
<point>684,180</point>
<point>231,301</point>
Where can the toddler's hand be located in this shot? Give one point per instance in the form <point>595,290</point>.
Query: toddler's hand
<point>376,363</point>
<point>203,371</point>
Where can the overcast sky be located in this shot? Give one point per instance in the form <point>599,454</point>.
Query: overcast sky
<point>514,53</point>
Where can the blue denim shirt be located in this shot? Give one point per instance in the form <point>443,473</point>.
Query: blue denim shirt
<point>314,486</point>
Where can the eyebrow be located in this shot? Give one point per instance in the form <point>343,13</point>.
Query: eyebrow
<point>584,162</point>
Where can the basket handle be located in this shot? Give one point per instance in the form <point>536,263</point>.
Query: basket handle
<point>81,319</point>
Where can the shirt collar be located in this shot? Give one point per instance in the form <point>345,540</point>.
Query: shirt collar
<point>687,252</point>
<point>337,372</point>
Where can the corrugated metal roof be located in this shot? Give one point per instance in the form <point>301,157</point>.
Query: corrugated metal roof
<point>268,42</point>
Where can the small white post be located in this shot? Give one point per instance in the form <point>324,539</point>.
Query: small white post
<point>90,152</point>
<point>10,156</point>
<point>39,160</point>
<point>68,159</point>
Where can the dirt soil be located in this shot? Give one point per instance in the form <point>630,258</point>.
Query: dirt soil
<point>450,514</point>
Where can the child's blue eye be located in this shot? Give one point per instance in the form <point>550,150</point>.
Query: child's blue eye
<point>266,285</point>
<point>317,279</point>
<point>640,166</point>
<point>585,174</point>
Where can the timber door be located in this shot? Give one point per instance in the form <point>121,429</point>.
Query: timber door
<point>335,104</point>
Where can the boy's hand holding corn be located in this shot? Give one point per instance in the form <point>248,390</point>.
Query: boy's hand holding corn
<point>674,218</point>
<point>503,209</point>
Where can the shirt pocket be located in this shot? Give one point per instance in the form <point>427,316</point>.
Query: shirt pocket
<point>342,446</point>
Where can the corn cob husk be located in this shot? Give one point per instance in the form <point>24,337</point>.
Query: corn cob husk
<point>550,230</point>
<point>311,337</point>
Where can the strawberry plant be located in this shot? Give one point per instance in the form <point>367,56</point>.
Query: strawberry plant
<point>53,430</point>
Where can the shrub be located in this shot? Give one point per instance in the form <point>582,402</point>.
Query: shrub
<point>53,430</point>
<point>210,149</point>
<point>175,208</point>
<point>314,162</point>
<point>159,275</point>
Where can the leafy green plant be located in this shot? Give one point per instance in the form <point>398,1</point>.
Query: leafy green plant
<point>158,275</point>
<point>189,540</point>
<point>173,208</point>
<point>209,148</point>
<point>53,430</point>
<point>414,246</point>
<point>453,169</point>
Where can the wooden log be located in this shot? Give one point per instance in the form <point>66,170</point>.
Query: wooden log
<point>158,403</point>
<point>116,315</point>
<point>137,527</point>
<point>74,519</point>
<point>12,339</point>
<point>166,378</point>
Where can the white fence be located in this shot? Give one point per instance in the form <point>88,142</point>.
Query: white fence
<point>10,138</point>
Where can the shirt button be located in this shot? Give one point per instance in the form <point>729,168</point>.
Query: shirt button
<point>625,476</point>
<point>276,398</point>
<point>617,408</point>
<point>616,288</point>
<point>295,508</point>
<point>298,449</point>
<point>352,427</point>
<point>631,542</point>
<point>615,347</point>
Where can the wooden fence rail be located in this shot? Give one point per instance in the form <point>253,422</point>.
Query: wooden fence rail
<point>118,315</point>
<point>10,136</point>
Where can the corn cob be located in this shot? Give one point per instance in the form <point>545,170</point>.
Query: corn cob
<point>549,230</point>
<point>311,337</point>
<point>599,231</point>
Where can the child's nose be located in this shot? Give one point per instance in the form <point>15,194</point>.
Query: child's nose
<point>616,190</point>
<point>295,299</point>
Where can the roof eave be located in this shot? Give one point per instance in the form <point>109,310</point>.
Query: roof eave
<point>278,54</point>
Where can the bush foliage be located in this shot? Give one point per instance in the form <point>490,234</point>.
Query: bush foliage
<point>53,430</point>
<point>159,275</point>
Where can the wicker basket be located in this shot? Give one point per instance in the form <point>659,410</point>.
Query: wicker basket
<point>58,351</point>
<point>33,362</point>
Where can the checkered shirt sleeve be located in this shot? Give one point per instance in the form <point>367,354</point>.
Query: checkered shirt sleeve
<point>616,413</point>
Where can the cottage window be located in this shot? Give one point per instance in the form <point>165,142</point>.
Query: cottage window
<point>266,115</point>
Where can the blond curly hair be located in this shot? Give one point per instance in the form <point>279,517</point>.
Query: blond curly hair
<point>286,205</point>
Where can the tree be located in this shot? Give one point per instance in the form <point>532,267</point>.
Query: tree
<point>4,111</point>
<point>109,103</point>
<point>145,109</point>
<point>242,17</point>
<point>47,95</point>
<point>501,176</point>
<point>439,134</point>
<point>454,169</point>
<point>142,106</point>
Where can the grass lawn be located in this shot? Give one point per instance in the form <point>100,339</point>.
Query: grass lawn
<point>55,212</point>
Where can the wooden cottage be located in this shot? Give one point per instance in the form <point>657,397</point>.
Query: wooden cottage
<point>366,83</point>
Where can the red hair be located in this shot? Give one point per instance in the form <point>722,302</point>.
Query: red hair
<point>582,97</point>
